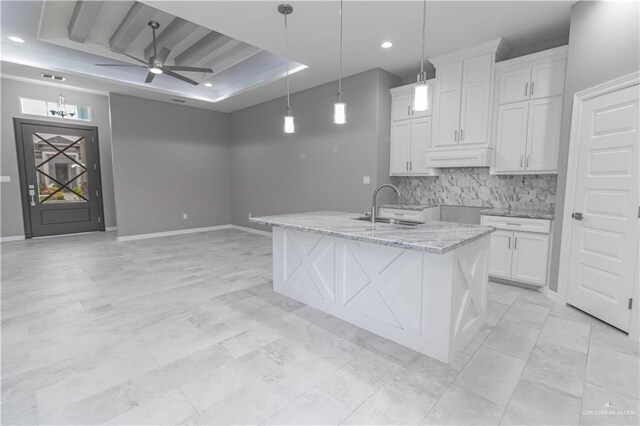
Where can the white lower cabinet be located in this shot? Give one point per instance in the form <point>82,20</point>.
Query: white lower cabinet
<point>520,256</point>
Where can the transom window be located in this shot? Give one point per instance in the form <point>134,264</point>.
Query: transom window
<point>48,108</point>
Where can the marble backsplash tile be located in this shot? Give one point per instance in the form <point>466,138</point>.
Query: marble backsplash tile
<point>474,186</point>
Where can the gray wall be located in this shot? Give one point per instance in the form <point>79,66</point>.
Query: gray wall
<point>169,160</point>
<point>604,43</point>
<point>12,90</point>
<point>321,166</point>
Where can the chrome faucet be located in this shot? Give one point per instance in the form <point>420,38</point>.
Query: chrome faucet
<point>374,206</point>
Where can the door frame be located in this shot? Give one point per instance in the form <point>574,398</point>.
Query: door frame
<point>572,170</point>
<point>22,167</point>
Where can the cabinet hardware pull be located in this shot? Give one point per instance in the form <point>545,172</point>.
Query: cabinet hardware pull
<point>514,224</point>
<point>509,242</point>
<point>515,243</point>
<point>527,160</point>
<point>533,85</point>
<point>408,110</point>
<point>410,165</point>
<point>461,135</point>
<point>526,89</point>
<point>521,160</point>
<point>455,135</point>
<point>406,166</point>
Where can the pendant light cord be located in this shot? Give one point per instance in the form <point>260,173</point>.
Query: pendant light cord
<point>424,19</point>
<point>286,31</point>
<point>340,73</point>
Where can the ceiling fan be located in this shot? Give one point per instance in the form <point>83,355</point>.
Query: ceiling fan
<point>156,65</point>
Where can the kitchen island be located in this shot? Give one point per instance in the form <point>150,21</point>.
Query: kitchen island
<point>421,286</point>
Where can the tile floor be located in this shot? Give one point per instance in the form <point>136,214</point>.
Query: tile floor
<point>187,330</point>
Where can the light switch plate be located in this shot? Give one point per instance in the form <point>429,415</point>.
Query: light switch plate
<point>366,180</point>
<point>5,179</point>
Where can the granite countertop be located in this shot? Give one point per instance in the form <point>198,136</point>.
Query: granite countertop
<point>419,207</point>
<point>431,237</point>
<point>529,214</point>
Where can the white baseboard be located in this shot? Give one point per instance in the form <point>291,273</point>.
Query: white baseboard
<point>171,233</point>
<point>252,230</point>
<point>9,239</point>
<point>552,295</point>
<point>110,228</point>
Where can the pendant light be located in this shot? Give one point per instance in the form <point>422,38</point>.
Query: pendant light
<point>340,108</point>
<point>421,91</point>
<point>289,123</point>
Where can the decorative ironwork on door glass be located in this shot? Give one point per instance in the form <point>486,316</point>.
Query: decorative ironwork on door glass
<point>61,168</point>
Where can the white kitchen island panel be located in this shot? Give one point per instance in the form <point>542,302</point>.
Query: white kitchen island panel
<point>431,303</point>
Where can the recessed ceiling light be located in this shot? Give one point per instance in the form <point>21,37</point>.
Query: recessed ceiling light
<point>208,84</point>
<point>16,39</point>
<point>53,77</point>
<point>386,44</point>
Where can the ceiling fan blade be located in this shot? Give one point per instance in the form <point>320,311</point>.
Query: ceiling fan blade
<point>179,77</point>
<point>162,55</point>
<point>150,77</point>
<point>137,59</point>
<point>192,69</point>
<point>119,65</point>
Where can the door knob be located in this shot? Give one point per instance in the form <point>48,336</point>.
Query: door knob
<point>577,216</point>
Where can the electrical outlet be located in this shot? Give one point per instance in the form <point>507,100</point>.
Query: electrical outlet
<point>366,180</point>
<point>184,216</point>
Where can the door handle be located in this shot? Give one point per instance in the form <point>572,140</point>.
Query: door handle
<point>533,85</point>
<point>526,89</point>
<point>577,216</point>
<point>32,194</point>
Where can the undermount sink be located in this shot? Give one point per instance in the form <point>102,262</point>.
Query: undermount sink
<point>391,221</point>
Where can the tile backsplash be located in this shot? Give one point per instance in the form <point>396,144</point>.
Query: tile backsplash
<point>474,186</point>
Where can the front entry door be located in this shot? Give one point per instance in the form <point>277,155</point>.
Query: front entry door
<point>60,178</point>
<point>604,238</point>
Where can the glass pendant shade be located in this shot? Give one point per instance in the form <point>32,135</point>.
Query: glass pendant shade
<point>61,103</point>
<point>339,113</point>
<point>421,97</point>
<point>289,124</point>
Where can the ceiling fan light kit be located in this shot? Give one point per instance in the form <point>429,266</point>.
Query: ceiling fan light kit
<point>155,65</point>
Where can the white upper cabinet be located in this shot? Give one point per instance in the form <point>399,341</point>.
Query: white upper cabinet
<point>410,134</point>
<point>462,107</point>
<point>526,131</point>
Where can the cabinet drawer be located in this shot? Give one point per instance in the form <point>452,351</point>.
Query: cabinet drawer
<point>542,226</point>
<point>412,215</point>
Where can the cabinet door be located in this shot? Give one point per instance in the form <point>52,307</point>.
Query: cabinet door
<point>514,85</point>
<point>543,139</point>
<point>401,106</point>
<point>530,257</point>
<point>447,114</point>
<point>420,142</point>
<point>511,137</point>
<point>399,152</point>
<point>500,254</point>
<point>476,97</point>
<point>547,78</point>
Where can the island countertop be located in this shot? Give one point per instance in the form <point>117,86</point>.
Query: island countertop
<point>432,237</point>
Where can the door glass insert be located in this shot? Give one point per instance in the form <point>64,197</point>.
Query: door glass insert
<point>61,168</point>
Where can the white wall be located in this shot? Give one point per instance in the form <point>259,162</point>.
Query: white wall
<point>11,207</point>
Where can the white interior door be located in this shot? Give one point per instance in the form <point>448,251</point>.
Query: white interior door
<point>530,257</point>
<point>604,243</point>
<point>511,136</point>
<point>399,152</point>
<point>476,96</point>
<point>447,114</point>
<point>420,141</point>
<point>543,139</point>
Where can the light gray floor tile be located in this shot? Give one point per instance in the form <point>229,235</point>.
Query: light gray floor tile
<point>503,293</point>
<point>512,339</point>
<point>495,312</point>
<point>570,334</point>
<point>491,375</point>
<point>315,407</point>
<point>458,406</point>
<point>529,314</point>
<point>537,404</point>
<point>602,406</point>
<point>557,367</point>
<point>613,370</point>
<point>169,409</point>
